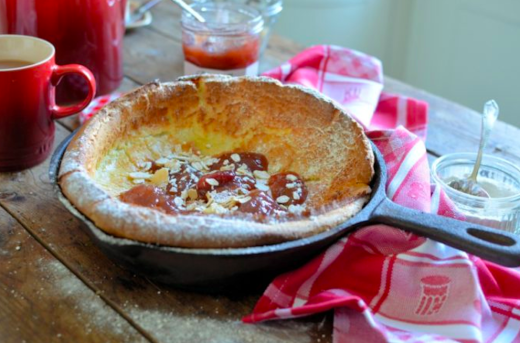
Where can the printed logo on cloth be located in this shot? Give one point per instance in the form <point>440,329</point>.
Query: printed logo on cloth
<point>435,291</point>
<point>429,300</point>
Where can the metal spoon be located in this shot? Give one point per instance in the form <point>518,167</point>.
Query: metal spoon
<point>470,185</point>
<point>138,13</point>
<point>190,10</point>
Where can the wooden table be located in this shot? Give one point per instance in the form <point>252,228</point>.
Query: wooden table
<point>55,286</point>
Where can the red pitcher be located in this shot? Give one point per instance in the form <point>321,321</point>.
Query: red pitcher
<point>86,32</point>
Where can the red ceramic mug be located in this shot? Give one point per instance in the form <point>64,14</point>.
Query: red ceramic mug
<point>28,77</point>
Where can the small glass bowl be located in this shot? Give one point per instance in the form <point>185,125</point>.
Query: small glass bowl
<point>501,211</point>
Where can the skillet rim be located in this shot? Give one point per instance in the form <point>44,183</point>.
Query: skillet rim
<point>377,195</point>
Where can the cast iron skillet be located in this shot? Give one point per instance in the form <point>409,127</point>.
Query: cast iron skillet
<point>215,270</point>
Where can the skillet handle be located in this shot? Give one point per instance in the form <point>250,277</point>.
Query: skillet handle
<point>491,244</point>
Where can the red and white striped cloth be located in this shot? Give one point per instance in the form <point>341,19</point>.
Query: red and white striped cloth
<point>354,80</point>
<point>384,284</point>
<point>96,105</point>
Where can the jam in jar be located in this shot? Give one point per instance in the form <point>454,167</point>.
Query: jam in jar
<point>227,43</point>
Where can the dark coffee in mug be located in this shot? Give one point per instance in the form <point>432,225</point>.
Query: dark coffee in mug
<point>11,64</point>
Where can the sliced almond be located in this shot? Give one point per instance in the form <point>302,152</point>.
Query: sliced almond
<point>228,167</point>
<point>290,185</point>
<point>197,165</point>
<point>162,161</point>
<point>212,182</point>
<point>173,165</point>
<point>180,157</point>
<point>138,181</point>
<point>282,199</point>
<point>243,200</point>
<point>243,170</point>
<point>235,157</point>
<point>140,175</point>
<point>243,191</point>
<point>145,165</point>
<point>260,174</point>
<point>208,161</point>
<point>291,177</point>
<point>178,201</point>
<point>209,197</point>
<point>160,177</point>
<point>261,186</point>
<point>296,195</point>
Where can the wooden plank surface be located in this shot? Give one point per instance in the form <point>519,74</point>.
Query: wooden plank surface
<point>42,301</point>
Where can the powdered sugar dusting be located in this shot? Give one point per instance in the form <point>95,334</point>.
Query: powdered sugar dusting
<point>171,327</point>
<point>321,133</point>
<point>69,291</point>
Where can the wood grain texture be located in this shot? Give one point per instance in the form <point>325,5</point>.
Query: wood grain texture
<point>42,301</point>
<point>150,56</point>
<point>455,128</point>
<point>167,20</point>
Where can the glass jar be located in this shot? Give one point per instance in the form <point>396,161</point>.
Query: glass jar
<point>227,43</point>
<point>270,10</point>
<point>500,178</point>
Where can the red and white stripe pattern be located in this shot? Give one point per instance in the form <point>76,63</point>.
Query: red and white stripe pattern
<point>96,105</point>
<point>385,284</point>
<point>354,80</point>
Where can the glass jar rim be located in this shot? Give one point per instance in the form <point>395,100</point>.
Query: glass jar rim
<point>254,24</point>
<point>457,158</point>
<point>272,8</point>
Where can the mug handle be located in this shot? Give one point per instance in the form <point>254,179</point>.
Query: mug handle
<point>58,72</point>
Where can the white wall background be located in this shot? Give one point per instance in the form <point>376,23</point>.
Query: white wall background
<point>467,51</point>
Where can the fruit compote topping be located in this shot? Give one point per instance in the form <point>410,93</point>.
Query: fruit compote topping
<point>235,183</point>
